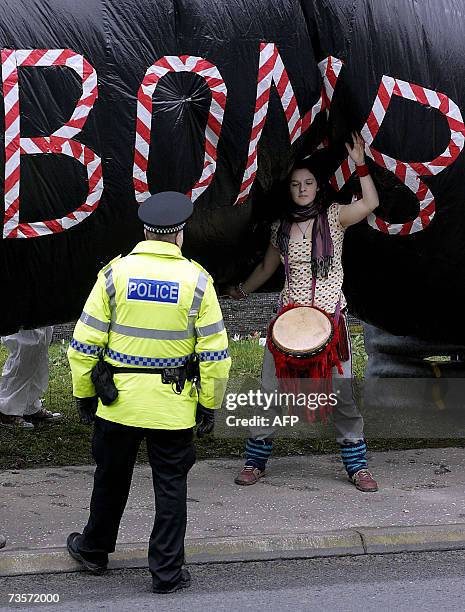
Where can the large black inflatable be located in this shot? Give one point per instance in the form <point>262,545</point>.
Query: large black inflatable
<point>106,101</point>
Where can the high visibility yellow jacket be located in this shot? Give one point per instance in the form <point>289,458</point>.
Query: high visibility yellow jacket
<point>153,308</point>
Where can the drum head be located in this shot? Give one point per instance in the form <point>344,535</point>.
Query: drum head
<point>302,330</point>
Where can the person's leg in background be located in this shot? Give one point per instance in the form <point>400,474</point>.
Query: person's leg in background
<point>14,384</point>
<point>38,382</point>
<point>25,378</point>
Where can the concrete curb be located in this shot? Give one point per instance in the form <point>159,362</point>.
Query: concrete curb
<point>355,541</point>
<point>378,540</point>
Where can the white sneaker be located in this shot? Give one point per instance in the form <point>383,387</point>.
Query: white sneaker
<point>43,416</point>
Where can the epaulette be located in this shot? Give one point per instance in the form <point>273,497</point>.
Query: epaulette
<point>197,265</point>
<point>109,264</point>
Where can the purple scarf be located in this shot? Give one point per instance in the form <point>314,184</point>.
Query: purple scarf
<point>322,244</point>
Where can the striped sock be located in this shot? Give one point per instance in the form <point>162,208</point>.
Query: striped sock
<point>354,456</point>
<point>257,452</point>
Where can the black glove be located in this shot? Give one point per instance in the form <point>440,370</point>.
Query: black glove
<point>87,407</point>
<point>205,419</point>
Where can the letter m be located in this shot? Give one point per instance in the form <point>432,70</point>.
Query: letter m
<point>271,70</point>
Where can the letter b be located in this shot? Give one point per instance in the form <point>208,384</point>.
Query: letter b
<point>60,142</point>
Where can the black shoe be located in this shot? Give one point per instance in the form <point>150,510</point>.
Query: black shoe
<point>183,583</point>
<point>95,568</point>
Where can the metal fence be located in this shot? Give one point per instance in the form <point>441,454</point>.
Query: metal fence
<point>241,318</point>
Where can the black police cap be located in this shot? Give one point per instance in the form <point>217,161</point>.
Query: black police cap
<point>165,212</point>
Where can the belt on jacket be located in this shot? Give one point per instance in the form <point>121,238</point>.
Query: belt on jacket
<point>117,370</point>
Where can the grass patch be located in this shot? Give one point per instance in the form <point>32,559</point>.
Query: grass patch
<point>359,356</point>
<point>246,357</point>
<point>69,442</point>
<point>64,443</point>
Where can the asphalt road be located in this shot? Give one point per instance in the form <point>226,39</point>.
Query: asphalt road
<point>407,582</point>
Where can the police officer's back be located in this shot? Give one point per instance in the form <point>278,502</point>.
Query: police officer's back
<point>151,315</point>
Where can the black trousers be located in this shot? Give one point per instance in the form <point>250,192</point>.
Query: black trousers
<point>171,455</point>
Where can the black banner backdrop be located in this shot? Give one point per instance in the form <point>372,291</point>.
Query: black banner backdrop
<point>105,102</point>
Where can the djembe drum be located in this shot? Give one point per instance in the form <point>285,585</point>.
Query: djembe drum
<point>303,341</point>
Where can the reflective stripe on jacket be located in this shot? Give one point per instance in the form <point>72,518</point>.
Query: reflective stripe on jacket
<point>153,309</point>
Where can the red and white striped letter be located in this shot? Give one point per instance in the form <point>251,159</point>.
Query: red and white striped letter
<point>408,173</point>
<point>214,80</point>
<point>271,70</point>
<point>60,142</point>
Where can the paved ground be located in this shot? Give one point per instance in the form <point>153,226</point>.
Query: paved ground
<point>302,500</point>
<point>426,582</point>
<point>300,494</point>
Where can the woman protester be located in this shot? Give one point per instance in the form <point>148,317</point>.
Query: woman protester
<point>308,240</point>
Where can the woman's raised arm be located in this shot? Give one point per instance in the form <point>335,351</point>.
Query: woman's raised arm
<point>359,210</point>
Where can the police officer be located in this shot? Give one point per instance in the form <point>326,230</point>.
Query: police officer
<point>148,314</point>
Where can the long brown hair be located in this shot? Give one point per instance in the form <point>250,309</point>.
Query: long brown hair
<point>322,244</point>
<point>324,196</point>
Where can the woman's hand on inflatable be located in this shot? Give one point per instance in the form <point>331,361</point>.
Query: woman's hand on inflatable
<point>360,209</point>
<point>357,151</point>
